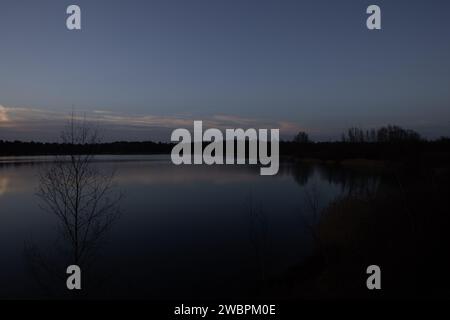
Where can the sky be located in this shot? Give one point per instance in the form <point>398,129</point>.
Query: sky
<point>144,68</point>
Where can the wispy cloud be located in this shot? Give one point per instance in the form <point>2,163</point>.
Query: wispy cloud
<point>31,120</point>
<point>3,115</point>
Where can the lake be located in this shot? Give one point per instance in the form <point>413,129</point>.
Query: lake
<point>183,232</point>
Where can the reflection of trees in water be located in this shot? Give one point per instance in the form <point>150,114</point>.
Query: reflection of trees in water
<point>85,202</point>
<point>353,182</point>
<point>301,171</point>
<point>4,182</point>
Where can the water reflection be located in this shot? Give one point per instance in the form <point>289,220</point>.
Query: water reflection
<point>353,181</point>
<point>4,182</point>
<point>187,231</point>
<point>85,202</point>
<point>258,232</point>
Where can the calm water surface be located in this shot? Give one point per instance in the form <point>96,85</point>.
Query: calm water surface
<point>184,232</point>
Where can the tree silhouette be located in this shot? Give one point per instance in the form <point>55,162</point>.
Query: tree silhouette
<point>302,137</point>
<point>397,134</point>
<point>387,134</point>
<point>81,195</point>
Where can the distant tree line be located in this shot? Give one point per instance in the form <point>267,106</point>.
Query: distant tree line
<point>385,143</point>
<point>301,137</point>
<point>388,134</point>
<point>18,148</point>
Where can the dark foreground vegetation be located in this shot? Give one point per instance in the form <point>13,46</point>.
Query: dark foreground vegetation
<point>402,226</point>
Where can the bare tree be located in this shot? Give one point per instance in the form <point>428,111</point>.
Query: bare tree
<point>81,195</point>
<point>387,134</point>
<point>310,222</point>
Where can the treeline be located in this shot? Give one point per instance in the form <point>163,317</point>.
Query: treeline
<point>386,143</point>
<point>19,148</point>
<point>388,134</point>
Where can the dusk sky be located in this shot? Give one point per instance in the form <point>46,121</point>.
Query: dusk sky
<point>143,68</point>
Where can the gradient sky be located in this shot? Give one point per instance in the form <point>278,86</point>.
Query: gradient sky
<point>145,67</point>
